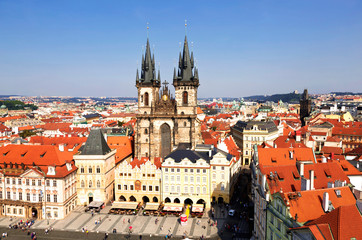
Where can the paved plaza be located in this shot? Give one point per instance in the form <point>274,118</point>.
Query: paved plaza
<point>147,226</point>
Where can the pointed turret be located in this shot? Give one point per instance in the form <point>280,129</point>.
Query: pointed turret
<point>174,74</point>
<point>186,68</point>
<point>196,74</point>
<point>159,75</point>
<point>148,71</point>
<point>137,76</point>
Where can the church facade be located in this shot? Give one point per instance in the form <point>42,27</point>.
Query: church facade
<point>164,121</point>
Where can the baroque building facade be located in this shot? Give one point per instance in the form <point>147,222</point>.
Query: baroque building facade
<point>164,121</point>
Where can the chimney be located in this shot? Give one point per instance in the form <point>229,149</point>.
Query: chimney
<point>324,159</point>
<point>61,147</point>
<point>297,136</point>
<point>210,153</point>
<point>332,155</point>
<point>305,184</point>
<point>311,175</point>
<point>301,169</point>
<point>291,154</point>
<point>325,201</point>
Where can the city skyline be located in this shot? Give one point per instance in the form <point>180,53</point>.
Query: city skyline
<point>240,49</point>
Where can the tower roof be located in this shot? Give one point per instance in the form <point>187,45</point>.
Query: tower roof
<point>186,71</point>
<point>96,144</point>
<point>148,71</point>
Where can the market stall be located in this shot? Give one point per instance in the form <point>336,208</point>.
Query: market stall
<point>151,209</point>
<point>197,210</point>
<point>128,208</point>
<point>172,209</point>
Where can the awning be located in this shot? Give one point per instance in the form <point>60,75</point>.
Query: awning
<point>125,205</point>
<point>198,208</point>
<point>95,204</point>
<point>152,206</point>
<point>175,207</point>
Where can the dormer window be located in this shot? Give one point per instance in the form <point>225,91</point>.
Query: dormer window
<point>69,166</point>
<point>51,170</point>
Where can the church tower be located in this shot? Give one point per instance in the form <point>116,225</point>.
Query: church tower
<point>186,82</point>
<point>164,122</point>
<point>305,106</point>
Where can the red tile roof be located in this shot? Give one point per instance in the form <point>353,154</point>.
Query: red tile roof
<point>309,205</point>
<point>281,156</point>
<point>123,144</point>
<point>344,222</point>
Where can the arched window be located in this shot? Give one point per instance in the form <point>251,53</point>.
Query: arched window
<point>90,183</point>
<point>98,169</point>
<point>82,184</point>
<point>146,99</point>
<point>185,98</point>
<point>98,184</point>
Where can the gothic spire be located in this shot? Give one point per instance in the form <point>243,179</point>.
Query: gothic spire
<point>137,77</point>
<point>148,71</point>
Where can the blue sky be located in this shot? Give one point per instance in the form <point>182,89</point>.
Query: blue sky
<point>242,48</point>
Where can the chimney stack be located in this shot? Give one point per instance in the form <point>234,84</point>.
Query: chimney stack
<point>325,201</point>
<point>311,174</point>
<point>297,136</point>
<point>61,147</point>
<point>301,169</point>
<point>324,159</point>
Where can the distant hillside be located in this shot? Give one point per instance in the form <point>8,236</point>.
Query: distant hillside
<point>345,93</point>
<point>287,97</point>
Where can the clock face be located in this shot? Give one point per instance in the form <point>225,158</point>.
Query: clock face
<point>164,97</point>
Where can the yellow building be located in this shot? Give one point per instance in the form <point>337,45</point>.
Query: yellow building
<point>96,164</point>
<point>138,180</point>
<point>198,176</point>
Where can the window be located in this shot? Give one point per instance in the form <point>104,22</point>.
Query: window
<point>222,176</point>
<point>28,197</point>
<point>55,198</point>
<point>166,169</point>
<point>172,188</point>
<point>178,189</point>
<point>54,183</point>
<point>14,210</point>
<point>48,197</point>
<point>198,170</point>
<point>39,182</point>
<point>1,194</point>
<point>204,179</point>
<point>198,190</point>
<point>81,169</point>
<point>8,181</point>
<point>156,188</point>
<point>82,184</point>
<point>166,188</point>
<point>178,179</point>
<point>9,210</point>
<point>8,195</point>
<point>20,196</point>
<point>34,197</point>
<point>131,187</point>
<point>33,182</point>
<point>172,170</point>
<point>125,187</point>
<point>98,184</point>
<point>186,189</point>
<point>20,211</point>
<point>203,170</point>
<point>204,190</point>
<point>55,214</point>
<point>214,176</point>
<point>150,188</point>
<point>186,170</point>
<point>191,170</point>
<point>166,178</point>
<point>185,98</point>
<point>19,181</point>
<point>14,195</point>
<point>222,187</point>
<point>146,99</point>
<point>119,187</point>
<point>98,169</point>
<point>48,183</point>
<point>14,181</point>
<point>191,179</point>
<point>213,167</point>
<point>178,170</point>
<point>27,182</point>
<point>40,198</point>
<point>186,179</point>
<point>198,179</point>
<point>191,189</point>
<point>90,170</point>
<point>172,178</point>
<point>90,184</point>
<point>144,188</point>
